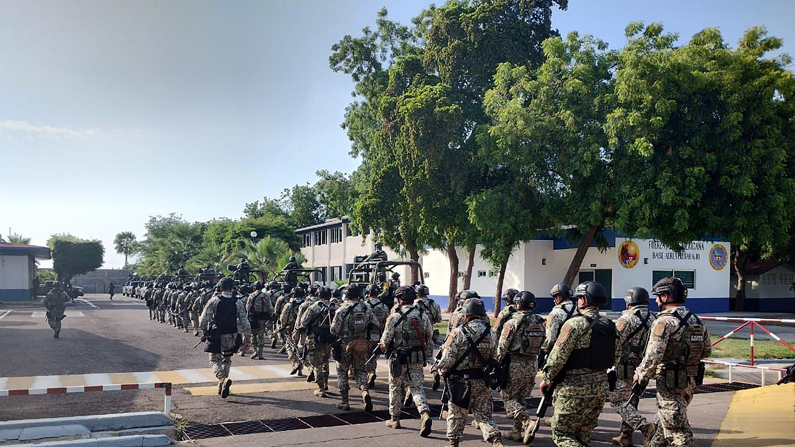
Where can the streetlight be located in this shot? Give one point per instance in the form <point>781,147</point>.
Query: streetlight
<point>253,234</point>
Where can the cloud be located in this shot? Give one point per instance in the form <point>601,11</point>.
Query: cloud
<point>56,132</point>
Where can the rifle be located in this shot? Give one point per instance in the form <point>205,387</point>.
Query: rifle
<point>637,392</point>
<point>204,339</point>
<point>435,370</point>
<point>541,411</point>
<point>377,352</point>
<point>445,399</point>
<point>789,376</point>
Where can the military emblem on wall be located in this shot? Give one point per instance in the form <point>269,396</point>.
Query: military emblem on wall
<point>718,257</point>
<point>628,254</point>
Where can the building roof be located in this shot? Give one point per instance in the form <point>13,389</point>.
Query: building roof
<point>328,223</point>
<point>758,268</point>
<point>25,250</point>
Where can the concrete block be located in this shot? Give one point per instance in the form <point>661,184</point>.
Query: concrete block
<point>8,434</point>
<point>105,422</point>
<point>120,441</point>
<point>54,431</point>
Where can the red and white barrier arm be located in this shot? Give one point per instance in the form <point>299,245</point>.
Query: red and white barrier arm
<point>91,388</point>
<point>757,320</point>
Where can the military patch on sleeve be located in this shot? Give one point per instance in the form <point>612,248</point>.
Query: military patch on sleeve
<point>659,328</point>
<point>506,330</point>
<point>564,334</point>
<point>621,324</point>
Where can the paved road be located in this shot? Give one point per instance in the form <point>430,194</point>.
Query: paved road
<point>116,337</point>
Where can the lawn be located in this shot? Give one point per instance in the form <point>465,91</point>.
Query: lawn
<point>739,348</point>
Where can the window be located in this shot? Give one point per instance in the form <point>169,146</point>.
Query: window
<point>769,279</point>
<point>786,279</point>
<point>492,273</point>
<point>307,239</point>
<point>481,273</point>
<point>336,235</point>
<point>688,277</point>
<point>427,275</point>
<point>336,273</point>
<point>317,276</point>
<point>350,231</point>
<point>320,237</point>
<point>348,268</point>
<point>460,274</point>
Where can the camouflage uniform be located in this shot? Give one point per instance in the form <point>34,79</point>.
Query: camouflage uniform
<point>631,323</point>
<point>281,301</point>
<point>407,331</point>
<point>480,403</point>
<point>456,319</point>
<point>316,321</point>
<point>381,312</point>
<point>354,341</point>
<point>287,321</point>
<point>430,308</point>
<point>557,316</point>
<point>55,302</point>
<point>193,312</point>
<point>301,335</point>
<point>148,296</point>
<point>182,309</point>
<point>160,302</point>
<point>507,312</point>
<point>667,348</point>
<point>579,399</point>
<point>221,362</point>
<point>521,338</point>
<point>259,311</point>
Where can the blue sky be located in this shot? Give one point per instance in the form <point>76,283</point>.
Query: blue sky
<point>112,111</point>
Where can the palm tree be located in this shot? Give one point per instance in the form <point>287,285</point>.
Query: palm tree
<point>18,239</point>
<point>127,245</point>
<point>182,244</point>
<point>264,255</point>
<point>209,255</point>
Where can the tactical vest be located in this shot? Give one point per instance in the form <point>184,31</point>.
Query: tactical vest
<point>321,323</point>
<point>225,319</point>
<point>258,308</point>
<point>411,328</point>
<point>600,354</point>
<point>358,315</point>
<point>380,310</point>
<point>510,310</point>
<point>685,352</point>
<point>292,312</point>
<point>528,335</point>
<point>473,360</point>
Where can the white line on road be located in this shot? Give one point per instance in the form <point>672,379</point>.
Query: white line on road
<point>6,313</point>
<point>68,313</point>
<point>89,303</point>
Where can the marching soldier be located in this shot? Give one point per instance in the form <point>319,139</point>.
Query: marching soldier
<point>508,311</point>
<point>678,342</point>
<point>55,302</point>
<point>278,333</point>
<point>520,342</point>
<point>160,300</point>
<point>274,292</point>
<point>633,327</point>
<point>224,323</point>
<point>408,338</point>
<point>148,295</point>
<point>457,317</point>
<point>354,323</point>
<point>563,310</point>
<point>300,333</point>
<point>287,321</point>
<point>259,314</point>
<point>182,306</point>
<point>428,305</point>
<point>381,312</point>
<point>464,357</point>
<point>586,347</point>
<point>316,324</point>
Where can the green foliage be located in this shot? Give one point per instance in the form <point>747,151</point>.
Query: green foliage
<point>126,244</point>
<point>74,257</point>
<point>304,206</point>
<point>335,193</point>
<point>264,255</point>
<point>18,239</point>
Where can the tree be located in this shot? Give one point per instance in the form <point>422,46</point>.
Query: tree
<point>304,205</point>
<point>18,239</point>
<point>710,130</point>
<point>268,207</point>
<point>73,256</point>
<point>264,255</point>
<point>335,193</point>
<point>126,244</point>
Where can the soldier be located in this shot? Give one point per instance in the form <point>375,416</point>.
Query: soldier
<point>316,323</point>
<point>224,323</point>
<point>287,321</point>
<point>388,288</point>
<point>586,347</point>
<point>381,312</point>
<point>55,302</point>
<point>273,293</point>
<point>563,310</point>
<point>148,295</point>
<point>678,342</point>
<point>183,305</point>
<point>203,298</point>
<point>457,317</point>
<point>111,290</point>
<point>408,337</point>
<point>160,300</point>
<point>193,313</point>
<point>427,305</point>
<point>278,333</point>
<point>300,334</point>
<point>464,357</point>
<point>259,314</point>
<point>354,323</point>
<point>520,342</point>
<point>510,309</point>
<point>633,328</point>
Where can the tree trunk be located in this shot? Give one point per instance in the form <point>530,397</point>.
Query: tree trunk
<point>414,255</point>
<point>740,263</point>
<point>582,249</point>
<point>125,260</point>
<point>498,293</point>
<point>452,256</point>
<point>470,265</point>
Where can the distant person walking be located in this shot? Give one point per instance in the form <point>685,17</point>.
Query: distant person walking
<point>55,302</point>
<point>111,290</point>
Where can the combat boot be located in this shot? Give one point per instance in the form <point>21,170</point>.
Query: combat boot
<point>454,443</point>
<point>343,404</point>
<point>255,354</point>
<point>56,334</point>
<point>624,440</point>
<point>311,377</point>
<point>497,443</point>
<point>516,433</point>
<point>273,343</point>
<point>393,422</point>
<point>368,402</point>
<point>300,372</point>
<point>294,370</point>
<point>225,389</point>
<point>425,424</point>
<point>371,383</point>
<point>320,392</point>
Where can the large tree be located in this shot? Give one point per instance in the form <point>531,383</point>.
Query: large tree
<point>73,256</point>
<point>126,243</point>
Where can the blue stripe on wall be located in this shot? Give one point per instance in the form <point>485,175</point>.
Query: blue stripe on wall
<point>768,304</point>
<point>14,294</point>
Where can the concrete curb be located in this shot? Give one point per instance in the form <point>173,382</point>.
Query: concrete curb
<point>120,441</point>
<point>104,422</point>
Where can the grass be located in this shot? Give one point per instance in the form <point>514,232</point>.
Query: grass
<point>739,348</point>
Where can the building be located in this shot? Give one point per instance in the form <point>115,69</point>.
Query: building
<point>99,280</point>
<point>18,269</point>
<point>539,264</point>
<point>769,287</point>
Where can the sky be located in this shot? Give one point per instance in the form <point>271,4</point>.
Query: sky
<point>114,111</point>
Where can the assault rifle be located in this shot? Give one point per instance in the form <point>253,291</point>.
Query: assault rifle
<point>445,399</point>
<point>377,352</point>
<point>435,370</point>
<point>541,411</point>
<point>204,339</point>
<point>637,392</point>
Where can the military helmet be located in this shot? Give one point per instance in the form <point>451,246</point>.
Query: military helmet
<point>187,288</point>
<point>406,294</point>
<point>474,306</point>
<point>637,295</point>
<point>509,295</point>
<point>354,291</point>
<point>467,294</point>
<point>57,285</point>
<point>292,259</point>
<point>395,275</point>
<point>324,293</point>
<point>562,289</point>
<point>245,289</point>
<point>259,285</point>
<point>672,286</point>
<point>313,289</point>
<point>337,293</point>
<point>422,290</point>
<point>226,284</point>
<point>525,300</point>
<point>382,276</point>
<point>593,292</point>
<point>288,288</point>
<point>299,292</point>
<point>373,289</point>
<point>273,285</point>
<point>207,284</point>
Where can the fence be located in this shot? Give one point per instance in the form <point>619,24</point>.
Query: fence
<point>751,323</point>
<point>92,388</point>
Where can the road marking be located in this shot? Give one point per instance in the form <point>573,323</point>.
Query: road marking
<point>68,313</point>
<point>88,302</point>
<point>5,313</point>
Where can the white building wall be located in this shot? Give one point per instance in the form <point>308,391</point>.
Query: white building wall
<point>14,272</point>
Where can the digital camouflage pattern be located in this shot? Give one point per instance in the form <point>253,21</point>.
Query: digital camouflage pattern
<point>287,322</point>
<point>431,308</point>
<point>353,363</point>
<point>629,324</point>
<point>221,362</point>
<point>55,302</point>
<point>381,312</point>
<point>522,368</point>
<point>579,399</point>
<point>456,319</point>
<point>670,422</point>
<point>557,316</point>
<point>258,302</point>
<point>481,402</point>
<point>319,314</point>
